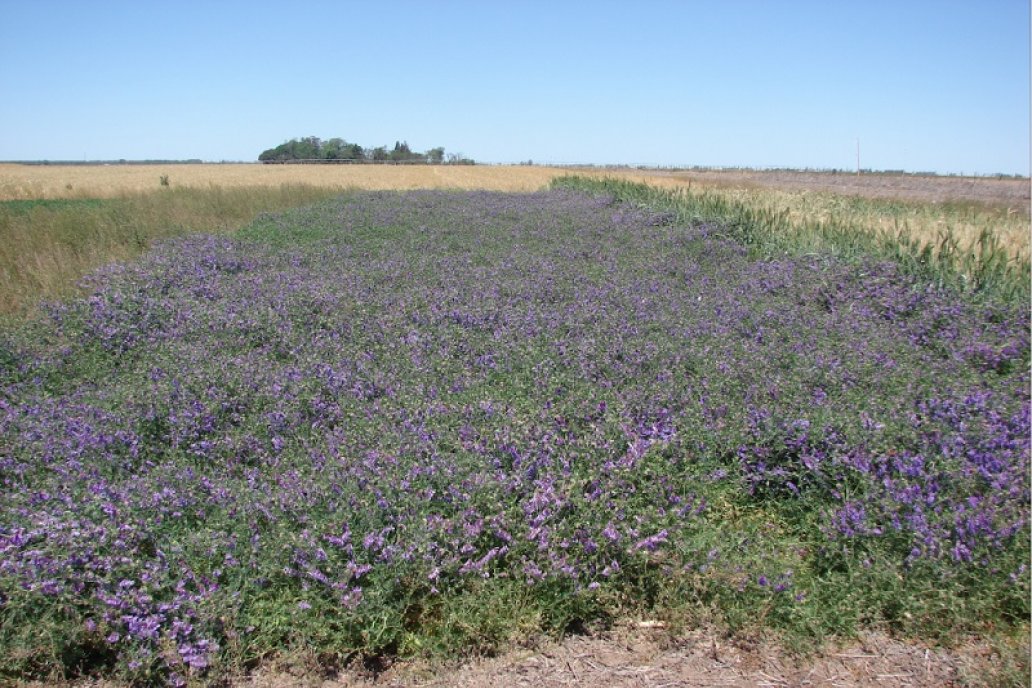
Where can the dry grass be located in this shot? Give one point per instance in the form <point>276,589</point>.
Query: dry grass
<point>46,246</point>
<point>927,211</point>
<point>108,181</point>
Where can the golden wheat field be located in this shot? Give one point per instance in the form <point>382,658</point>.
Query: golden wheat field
<point>19,182</point>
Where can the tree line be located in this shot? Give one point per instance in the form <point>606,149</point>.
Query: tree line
<point>338,150</point>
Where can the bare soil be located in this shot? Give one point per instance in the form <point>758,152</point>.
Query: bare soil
<point>1010,193</point>
<point>634,656</point>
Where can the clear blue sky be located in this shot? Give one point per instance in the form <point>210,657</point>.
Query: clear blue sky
<point>938,85</point>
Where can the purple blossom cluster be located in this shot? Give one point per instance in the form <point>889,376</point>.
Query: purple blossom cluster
<point>360,406</point>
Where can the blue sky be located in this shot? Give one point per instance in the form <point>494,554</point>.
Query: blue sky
<point>925,86</point>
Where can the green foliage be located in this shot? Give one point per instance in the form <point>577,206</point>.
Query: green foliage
<point>435,156</point>
<point>312,148</point>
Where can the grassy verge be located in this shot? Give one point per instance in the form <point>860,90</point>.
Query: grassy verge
<point>853,228</point>
<point>46,246</point>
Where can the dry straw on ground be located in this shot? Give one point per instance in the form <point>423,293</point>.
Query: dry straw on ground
<point>639,657</point>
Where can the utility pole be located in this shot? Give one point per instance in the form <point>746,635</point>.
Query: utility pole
<point>858,156</point>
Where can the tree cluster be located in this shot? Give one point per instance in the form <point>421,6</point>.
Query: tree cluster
<point>312,148</point>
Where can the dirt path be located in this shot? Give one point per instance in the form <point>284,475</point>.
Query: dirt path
<point>638,657</point>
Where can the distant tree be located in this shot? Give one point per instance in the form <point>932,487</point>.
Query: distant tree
<point>282,152</point>
<point>332,149</point>
<point>314,148</point>
<point>459,159</point>
<point>308,148</point>
<point>401,151</point>
<point>353,151</point>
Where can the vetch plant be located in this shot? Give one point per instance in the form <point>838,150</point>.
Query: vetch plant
<point>392,423</point>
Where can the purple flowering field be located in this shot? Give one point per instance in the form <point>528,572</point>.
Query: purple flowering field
<point>401,423</point>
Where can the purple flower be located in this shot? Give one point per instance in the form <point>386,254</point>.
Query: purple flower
<point>651,543</point>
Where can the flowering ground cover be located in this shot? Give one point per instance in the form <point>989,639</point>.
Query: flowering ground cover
<point>401,423</point>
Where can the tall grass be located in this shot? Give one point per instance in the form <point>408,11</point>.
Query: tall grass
<point>984,264</point>
<point>46,246</point>
<point>964,220</point>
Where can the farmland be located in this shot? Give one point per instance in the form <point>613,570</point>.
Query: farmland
<point>73,181</point>
<point>57,223</point>
<point>442,420</point>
